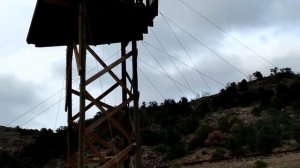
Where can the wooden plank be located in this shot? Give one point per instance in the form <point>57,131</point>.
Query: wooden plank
<point>115,123</point>
<point>69,55</point>
<point>88,98</point>
<point>123,70</point>
<point>72,162</point>
<point>114,76</point>
<point>96,103</point>
<point>120,128</point>
<point>129,78</point>
<point>77,58</point>
<point>68,103</point>
<point>101,141</point>
<point>136,106</point>
<point>108,114</point>
<point>107,68</point>
<point>82,72</point>
<point>98,98</point>
<point>120,156</point>
<point>131,120</point>
<point>95,150</point>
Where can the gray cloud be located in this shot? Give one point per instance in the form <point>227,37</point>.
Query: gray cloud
<point>17,97</point>
<point>269,27</point>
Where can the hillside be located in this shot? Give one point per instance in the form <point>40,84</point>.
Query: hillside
<point>250,117</point>
<point>247,118</point>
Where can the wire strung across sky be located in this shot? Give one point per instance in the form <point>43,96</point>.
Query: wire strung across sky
<point>50,97</point>
<point>191,67</point>
<point>201,43</point>
<point>226,33</point>
<point>186,52</point>
<point>164,71</point>
<point>172,61</point>
<point>171,58</point>
<point>151,83</point>
<point>45,110</point>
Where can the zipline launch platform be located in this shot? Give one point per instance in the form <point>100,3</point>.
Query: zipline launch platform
<point>55,22</point>
<point>77,24</point>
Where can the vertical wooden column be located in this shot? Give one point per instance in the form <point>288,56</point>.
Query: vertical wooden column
<point>124,72</point>
<point>91,137</point>
<point>68,106</point>
<point>136,105</point>
<point>82,71</point>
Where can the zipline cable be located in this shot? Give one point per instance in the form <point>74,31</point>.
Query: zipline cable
<point>226,33</point>
<point>201,43</point>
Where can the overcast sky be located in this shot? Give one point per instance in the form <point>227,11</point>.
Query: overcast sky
<point>216,42</point>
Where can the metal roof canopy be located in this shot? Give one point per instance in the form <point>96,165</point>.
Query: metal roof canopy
<point>55,22</point>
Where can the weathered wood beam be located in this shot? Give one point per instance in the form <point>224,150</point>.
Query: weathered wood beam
<point>82,53</point>
<point>107,115</point>
<point>77,58</point>
<point>120,156</point>
<point>95,150</point>
<point>114,76</point>
<point>101,141</point>
<point>98,98</point>
<point>120,128</point>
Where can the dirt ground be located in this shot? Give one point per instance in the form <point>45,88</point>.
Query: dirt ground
<point>282,161</point>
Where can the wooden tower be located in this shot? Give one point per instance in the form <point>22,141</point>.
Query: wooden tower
<point>78,24</point>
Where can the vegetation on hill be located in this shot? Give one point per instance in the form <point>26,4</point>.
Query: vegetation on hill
<point>46,146</point>
<point>256,116</point>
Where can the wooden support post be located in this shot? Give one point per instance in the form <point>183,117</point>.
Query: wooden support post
<point>82,52</point>
<point>90,136</point>
<point>123,53</point>
<point>136,106</point>
<point>68,106</point>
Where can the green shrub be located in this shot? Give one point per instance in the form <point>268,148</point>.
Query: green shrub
<point>151,137</point>
<point>178,150</point>
<point>162,148</point>
<point>218,153</point>
<point>296,104</point>
<point>258,75</point>
<point>263,138</point>
<point>224,124</point>
<point>256,111</point>
<point>260,164</point>
<point>202,134</point>
<point>6,160</point>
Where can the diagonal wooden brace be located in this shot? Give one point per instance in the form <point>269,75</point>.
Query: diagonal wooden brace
<point>108,69</point>
<point>109,113</point>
